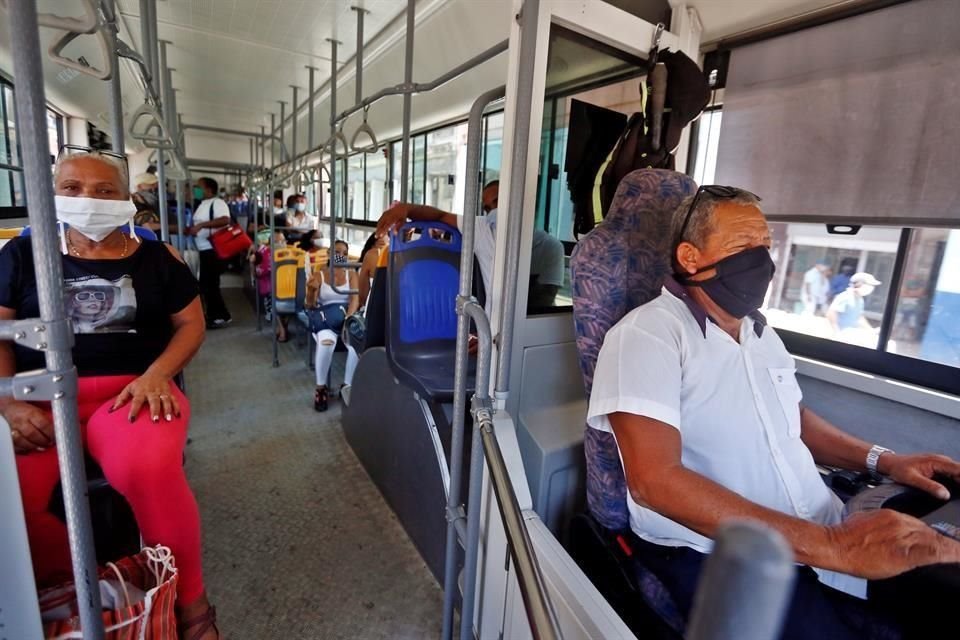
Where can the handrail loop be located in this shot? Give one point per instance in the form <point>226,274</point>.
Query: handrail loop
<point>374,146</point>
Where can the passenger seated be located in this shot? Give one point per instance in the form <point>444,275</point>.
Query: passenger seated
<point>546,259</point>
<point>138,322</point>
<point>702,398</point>
<point>297,218</point>
<point>327,310</point>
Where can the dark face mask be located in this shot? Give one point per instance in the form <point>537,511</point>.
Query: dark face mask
<point>741,281</point>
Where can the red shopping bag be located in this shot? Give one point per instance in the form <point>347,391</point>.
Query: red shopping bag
<point>138,594</point>
<point>230,241</point>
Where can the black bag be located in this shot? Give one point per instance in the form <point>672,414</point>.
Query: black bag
<point>687,94</point>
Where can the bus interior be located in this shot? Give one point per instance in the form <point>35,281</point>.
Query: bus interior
<point>450,486</point>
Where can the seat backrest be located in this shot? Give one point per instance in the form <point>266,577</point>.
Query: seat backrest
<point>141,232</point>
<point>615,268</point>
<point>423,279</point>
<point>288,263</point>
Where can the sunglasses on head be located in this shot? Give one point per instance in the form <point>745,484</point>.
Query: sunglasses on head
<point>715,191</point>
<point>69,150</point>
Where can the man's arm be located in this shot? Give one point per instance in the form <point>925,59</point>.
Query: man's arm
<point>876,545</point>
<point>832,447</point>
<point>217,218</point>
<point>394,217</point>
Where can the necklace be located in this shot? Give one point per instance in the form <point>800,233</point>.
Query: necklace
<point>76,252</point>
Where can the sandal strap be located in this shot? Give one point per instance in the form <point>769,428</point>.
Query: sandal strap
<point>204,621</point>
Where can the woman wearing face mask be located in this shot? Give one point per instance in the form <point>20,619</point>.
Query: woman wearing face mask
<point>138,323</point>
<point>327,309</point>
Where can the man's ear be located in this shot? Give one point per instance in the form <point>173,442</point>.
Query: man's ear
<point>688,256</point>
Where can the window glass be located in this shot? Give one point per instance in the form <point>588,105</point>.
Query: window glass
<point>9,111</point>
<point>446,168</point>
<point>355,188</point>
<point>812,292</point>
<point>418,172</point>
<point>4,126</point>
<point>928,311</point>
<point>6,188</point>
<point>377,196</point>
<point>708,140</point>
<point>492,146</point>
<point>54,133</point>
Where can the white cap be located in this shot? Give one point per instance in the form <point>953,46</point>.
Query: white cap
<point>864,278</point>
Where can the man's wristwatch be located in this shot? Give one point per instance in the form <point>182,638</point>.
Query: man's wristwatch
<point>873,457</point>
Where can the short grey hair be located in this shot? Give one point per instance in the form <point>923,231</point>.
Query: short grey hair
<point>701,223</point>
<point>112,161</point>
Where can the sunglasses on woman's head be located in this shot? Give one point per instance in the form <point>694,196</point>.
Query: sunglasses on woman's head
<point>74,150</point>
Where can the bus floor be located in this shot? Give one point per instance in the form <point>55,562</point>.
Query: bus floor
<point>297,541</point>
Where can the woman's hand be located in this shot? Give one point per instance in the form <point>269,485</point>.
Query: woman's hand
<point>392,219</point>
<point>151,390</point>
<point>30,427</point>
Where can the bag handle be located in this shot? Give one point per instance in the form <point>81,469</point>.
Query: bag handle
<point>123,583</point>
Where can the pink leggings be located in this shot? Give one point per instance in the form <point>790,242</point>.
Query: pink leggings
<point>143,461</point>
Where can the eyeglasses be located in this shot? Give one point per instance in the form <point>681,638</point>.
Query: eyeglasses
<point>77,150</point>
<point>717,191</point>
<point>83,296</point>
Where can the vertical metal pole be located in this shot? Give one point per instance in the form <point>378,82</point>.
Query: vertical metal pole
<point>274,316</point>
<point>162,89</point>
<point>145,37</point>
<point>745,586</point>
<point>116,96</point>
<point>333,149</point>
<point>181,241</point>
<point>518,181</point>
<point>293,126</point>
<point>310,124</point>
<point>283,118</point>
<point>252,157</point>
<point>359,55</point>
<point>32,111</point>
<point>407,101</point>
<point>256,198</point>
<point>263,147</point>
<point>273,153</point>
<point>471,199</point>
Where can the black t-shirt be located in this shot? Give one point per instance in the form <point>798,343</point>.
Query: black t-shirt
<point>120,309</point>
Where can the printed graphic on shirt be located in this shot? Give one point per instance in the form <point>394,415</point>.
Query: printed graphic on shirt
<point>97,305</point>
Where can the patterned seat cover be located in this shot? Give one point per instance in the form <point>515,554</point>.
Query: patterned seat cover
<point>615,268</point>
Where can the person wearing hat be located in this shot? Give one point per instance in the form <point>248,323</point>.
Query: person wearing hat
<point>145,197</point>
<point>846,310</point>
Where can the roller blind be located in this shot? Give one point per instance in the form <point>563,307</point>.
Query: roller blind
<point>856,120</point>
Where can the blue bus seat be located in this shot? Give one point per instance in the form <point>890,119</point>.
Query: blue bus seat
<point>142,232</point>
<point>423,279</point>
<point>618,266</point>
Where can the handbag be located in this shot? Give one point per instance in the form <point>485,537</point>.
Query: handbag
<point>230,241</point>
<point>329,316</point>
<point>137,593</point>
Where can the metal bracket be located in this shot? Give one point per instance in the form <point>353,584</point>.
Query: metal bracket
<point>38,335</point>
<point>481,409</point>
<point>463,301</point>
<point>456,513</point>
<point>44,385</point>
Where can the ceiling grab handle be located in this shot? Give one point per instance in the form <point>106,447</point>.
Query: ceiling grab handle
<point>87,23</point>
<point>57,46</point>
<point>374,146</point>
<point>147,112</point>
<point>337,136</point>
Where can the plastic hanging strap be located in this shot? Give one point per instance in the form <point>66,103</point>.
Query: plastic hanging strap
<point>365,128</point>
<point>331,144</point>
<point>56,48</point>
<point>153,118</point>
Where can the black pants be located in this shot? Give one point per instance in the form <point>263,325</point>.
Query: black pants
<point>817,612</point>
<point>210,269</point>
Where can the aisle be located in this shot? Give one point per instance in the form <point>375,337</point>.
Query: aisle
<point>298,543</point>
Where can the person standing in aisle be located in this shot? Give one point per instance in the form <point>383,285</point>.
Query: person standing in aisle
<point>212,213</point>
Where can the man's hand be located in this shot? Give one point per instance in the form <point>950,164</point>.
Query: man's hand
<point>918,471</point>
<point>30,427</point>
<point>884,543</point>
<point>393,218</point>
<point>192,231</point>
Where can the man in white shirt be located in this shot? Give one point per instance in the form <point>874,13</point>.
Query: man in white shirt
<point>816,287</point>
<point>212,213</point>
<point>547,260</point>
<point>702,398</point>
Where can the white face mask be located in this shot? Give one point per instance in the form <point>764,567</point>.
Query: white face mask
<point>320,243</point>
<point>301,207</point>
<point>93,217</point>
